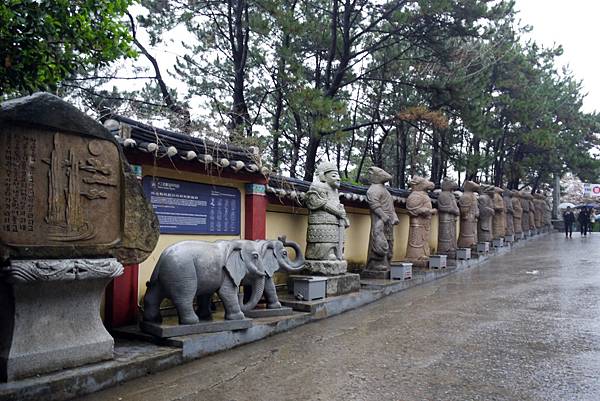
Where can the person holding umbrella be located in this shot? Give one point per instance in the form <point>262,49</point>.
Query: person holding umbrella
<point>569,219</point>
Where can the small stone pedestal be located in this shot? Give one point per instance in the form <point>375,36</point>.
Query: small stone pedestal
<point>498,242</point>
<point>50,315</point>
<point>463,253</point>
<point>509,238</point>
<point>518,236</point>
<point>483,247</point>
<point>308,288</point>
<point>401,271</point>
<point>438,262</point>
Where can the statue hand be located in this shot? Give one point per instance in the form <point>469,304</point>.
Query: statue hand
<point>395,221</point>
<point>433,212</point>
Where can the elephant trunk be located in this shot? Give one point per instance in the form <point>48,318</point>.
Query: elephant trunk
<point>258,286</point>
<point>298,263</point>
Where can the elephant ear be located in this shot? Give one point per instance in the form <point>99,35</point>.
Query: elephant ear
<point>269,260</point>
<point>235,266</point>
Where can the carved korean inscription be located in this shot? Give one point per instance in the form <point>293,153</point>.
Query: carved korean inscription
<point>58,188</point>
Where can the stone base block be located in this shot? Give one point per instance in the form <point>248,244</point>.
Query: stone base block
<point>438,262</point>
<point>325,267</point>
<point>343,284</point>
<point>378,274</point>
<point>167,330</point>
<point>498,242</point>
<point>518,236</point>
<point>402,271</point>
<point>483,247</point>
<point>53,323</point>
<point>509,238</point>
<point>259,312</point>
<point>463,253</point>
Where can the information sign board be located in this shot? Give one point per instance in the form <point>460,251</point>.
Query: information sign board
<point>186,207</point>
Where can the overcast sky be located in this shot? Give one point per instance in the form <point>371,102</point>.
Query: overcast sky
<point>574,24</point>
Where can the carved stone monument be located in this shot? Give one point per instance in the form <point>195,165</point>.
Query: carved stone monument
<point>420,209</point>
<point>509,233</point>
<point>499,220</point>
<point>72,214</point>
<point>469,214</point>
<point>525,219</point>
<point>447,214</point>
<point>540,210</point>
<point>486,214</point>
<point>532,214</point>
<point>327,222</point>
<point>383,220</point>
<point>517,214</point>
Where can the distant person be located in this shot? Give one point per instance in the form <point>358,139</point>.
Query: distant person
<point>584,221</point>
<point>569,219</point>
<point>592,220</point>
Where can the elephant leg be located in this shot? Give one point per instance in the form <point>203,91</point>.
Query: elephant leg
<point>152,299</point>
<point>184,303</point>
<point>229,295</point>
<point>271,294</point>
<point>204,310</point>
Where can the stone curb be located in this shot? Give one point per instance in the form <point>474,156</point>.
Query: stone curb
<point>134,359</point>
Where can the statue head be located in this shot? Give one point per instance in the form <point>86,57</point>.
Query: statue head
<point>515,193</point>
<point>421,184</point>
<point>449,184</point>
<point>471,186</point>
<point>488,189</point>
<point>327,172</point>
<point>378,175</point>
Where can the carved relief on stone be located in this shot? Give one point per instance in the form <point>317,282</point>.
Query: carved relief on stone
<point>447,214</point>
<point>383,220</point>
<point>499,219</point>
<point>486,213</point>
<point>508,205</point>
<point>66,189</point>
<point>327,218</point>
<point>22,271</point>
<point>469,214</point>
<point>517,212</point>
<point>420,209</point>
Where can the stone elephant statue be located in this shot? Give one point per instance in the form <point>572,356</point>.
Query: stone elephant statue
<point>197,269</point>
<point>274,257</point>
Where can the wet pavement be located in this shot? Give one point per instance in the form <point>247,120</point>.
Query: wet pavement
<point>525,326</point>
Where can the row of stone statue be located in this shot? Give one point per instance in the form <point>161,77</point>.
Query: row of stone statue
<point>486,213</point>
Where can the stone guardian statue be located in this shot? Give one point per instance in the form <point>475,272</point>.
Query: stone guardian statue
<point>469,213</point>
<point>486,214</point>
<point>383,220</point>
<point>448,212</point>
<point>517,213</point>
<point>326,223</point>
<point>420,209</point>
<point>525,218</point>
<point>509,213</point>
<point>499,219</point>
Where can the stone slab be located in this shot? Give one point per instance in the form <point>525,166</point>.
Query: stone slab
<point>264,312</point>
<point>342,284</point>
<point>325,267</point>
<point>167,330</point>
<point>378,274</point>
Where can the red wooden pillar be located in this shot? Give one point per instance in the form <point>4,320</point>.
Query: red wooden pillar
<point>256,212</point>
<point>121,300</point>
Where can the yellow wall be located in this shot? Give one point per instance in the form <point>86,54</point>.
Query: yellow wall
<point>292,222</point>
<point>165,240</point>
